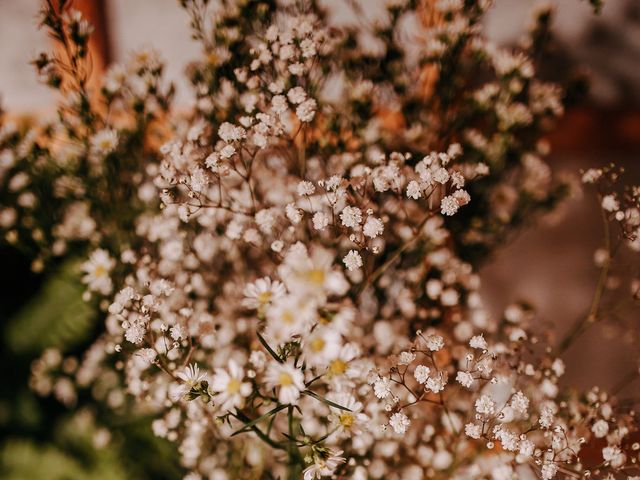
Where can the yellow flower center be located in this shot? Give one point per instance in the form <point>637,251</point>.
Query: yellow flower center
<point>100,271</point>
<point>285,379</point>
<point>233,386</point>
<point>346,420</point>
<point>317,344</point>
<point>316,276</point>
<point>105,144</point>
<point>264,297</point>
<point>288,317</point>
<point>337,367</point>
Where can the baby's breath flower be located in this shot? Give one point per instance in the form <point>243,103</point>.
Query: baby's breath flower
<point>399,422</point>
<point>352,260</point>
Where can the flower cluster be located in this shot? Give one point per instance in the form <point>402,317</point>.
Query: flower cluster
<point>292,287</point>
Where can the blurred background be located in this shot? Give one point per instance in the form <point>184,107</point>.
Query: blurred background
<point>549,264</point>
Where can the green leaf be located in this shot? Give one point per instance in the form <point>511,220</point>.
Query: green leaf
<point>309,393</point>
<point>252,423</point>
<point>55,317</point>
<point>269,349</point>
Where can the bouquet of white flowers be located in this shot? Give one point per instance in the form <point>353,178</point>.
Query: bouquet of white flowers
<point>287,272</point>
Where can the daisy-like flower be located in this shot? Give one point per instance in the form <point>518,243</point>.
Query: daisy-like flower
<point>321,346</point>
<point>339,368</point>
<point>288,379</point>
<point>229,385</point>
<point>323,465</point>
<point>97,270</point>
<point>311,274</point>
<point>262,292</point>
<point>104,142</point>
<point>287,317</point>
<point>347,422</point>
<point>191,375</point>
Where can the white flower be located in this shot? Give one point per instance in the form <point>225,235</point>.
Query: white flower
<point>323,466</point>
<point>382,387</point>
<point>296,95</point>
<point>320,220</point>
<point>591,176</point>
<point>97,270</point>
<point>435,384</point>
<point>610,204</point>
<point>547,416</point>
<point>373,227</point>
<point>288,379</point>
<point>191,375</point>
<point>306,110</point>
<point>227,151</point>
<point>613,454</point>
<point>322,346</point>
<point>473,430</point>
<point>449,205</point>
<point>347,422</point>
<point>229,385</point>
<point>104,141</point>
<point>230,133</point>
<point>279,104</point>
<point>178,332</point>
<point>549,471</point>
<point>485,405</point>
<point>262,292</point>
<point>414,190</point>
<point>421,373</point>
<point>434,342</point>
<point>519,403</point>
<point>465,379</point>
<point>352,260</point>
<point>600,428</point>
<point>478,342</point>
<point>351,216</point>
<point>293,213</point>
<point>265,219</point>
<point>441,175</point>
<point>306,188</point>
<point>527,447</point>
<point>288,316</point>
<point>399,422</point>
<point>405,358</point>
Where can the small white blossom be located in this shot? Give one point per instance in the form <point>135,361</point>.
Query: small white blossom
<point>478,342</point>
<point>373,227</point>
<point>473,430</point>
<point>352,260</point>
<point>449,205</point>
<point>434,342</point>
<point>382,387</point>
<point>351,217</point>
<point>399,422</point>
<point>465,379</point>
<point>320,220</point>
<point>306,188</point>
<point>485,405</point>
<point>421,373</point>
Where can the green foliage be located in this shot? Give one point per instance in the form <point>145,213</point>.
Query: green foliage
<point>22,459</point>
<point>56,316</point>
